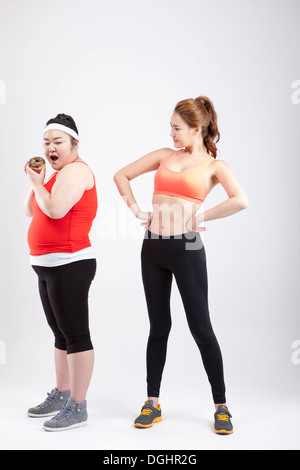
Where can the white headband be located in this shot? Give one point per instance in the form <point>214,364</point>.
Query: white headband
<point>60,127</point>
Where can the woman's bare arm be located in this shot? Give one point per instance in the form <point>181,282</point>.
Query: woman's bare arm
<point>68,189</point>
<point>122,178</point>
<point>237,198</point>
<point>27,203</point>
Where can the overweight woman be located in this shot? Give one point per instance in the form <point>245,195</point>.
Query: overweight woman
<point>62,211</point>
<point>172,244</point>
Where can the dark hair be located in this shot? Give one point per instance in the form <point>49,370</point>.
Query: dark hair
<point>64,120</point>
<point>200,112</point>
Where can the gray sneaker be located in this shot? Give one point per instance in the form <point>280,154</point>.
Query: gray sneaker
<point>71,416</point>
<point>223,424</point>
<point>149,415</point>
<point>54,402</point>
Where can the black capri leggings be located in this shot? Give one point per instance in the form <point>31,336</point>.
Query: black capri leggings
<point>64,295</point>
<point>184,256</point>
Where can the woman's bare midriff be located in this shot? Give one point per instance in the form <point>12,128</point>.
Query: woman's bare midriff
<point>170,214</point>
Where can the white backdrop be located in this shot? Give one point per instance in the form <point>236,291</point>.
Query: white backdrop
<point>119,68</point>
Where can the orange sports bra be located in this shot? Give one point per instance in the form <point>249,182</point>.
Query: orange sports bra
<point>189,184</point>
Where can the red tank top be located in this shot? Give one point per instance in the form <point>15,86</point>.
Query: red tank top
<point>65,235</point>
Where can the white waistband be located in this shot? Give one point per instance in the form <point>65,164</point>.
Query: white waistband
<point>58,259</point>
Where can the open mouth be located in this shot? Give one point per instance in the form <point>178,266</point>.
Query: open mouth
<point>54,158</point>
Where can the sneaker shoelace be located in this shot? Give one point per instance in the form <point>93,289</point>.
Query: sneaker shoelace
<point>222,417</point>
<point>146,411</point>
<point>64,412</point>
<point>48,400</point>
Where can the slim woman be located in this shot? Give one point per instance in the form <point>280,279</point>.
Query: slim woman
<point>62,211</point>
<point>172,244</point>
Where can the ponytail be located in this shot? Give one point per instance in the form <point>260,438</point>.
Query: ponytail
<point>210,132</point>
<point>201,112</point>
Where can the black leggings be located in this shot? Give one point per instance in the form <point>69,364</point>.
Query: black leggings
<point>64,295</point>
<point>184,256</point>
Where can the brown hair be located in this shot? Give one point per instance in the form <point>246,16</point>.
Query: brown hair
<point>200,112</point>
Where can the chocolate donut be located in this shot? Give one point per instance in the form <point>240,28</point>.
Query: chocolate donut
<point>36,164</point>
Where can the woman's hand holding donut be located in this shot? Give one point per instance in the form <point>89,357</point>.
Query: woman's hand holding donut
<point>34,177</point>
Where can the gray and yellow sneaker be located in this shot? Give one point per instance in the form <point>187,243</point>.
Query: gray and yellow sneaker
<point>71,416</point>
<point>223,424</point>
<point>149,415</point>
<point>54,402</point>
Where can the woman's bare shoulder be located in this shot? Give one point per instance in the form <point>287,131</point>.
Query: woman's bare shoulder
<point>219,166</point>
<point>149,162</point>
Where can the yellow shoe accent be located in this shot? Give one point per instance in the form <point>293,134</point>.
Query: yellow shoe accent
<point>149,414</point>
<point>223,431</point>
<point>157,420</point>
<point>222,421</point>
